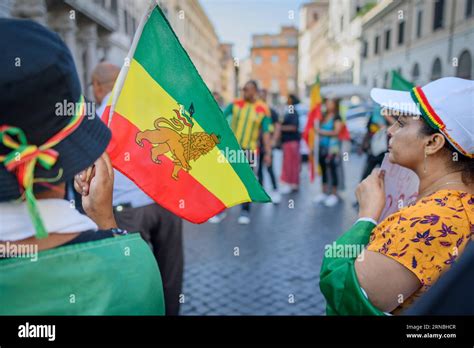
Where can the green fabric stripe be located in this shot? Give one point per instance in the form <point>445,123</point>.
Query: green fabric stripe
<point>235,120</point>
<point>161,54</point>
<point>251,134</point>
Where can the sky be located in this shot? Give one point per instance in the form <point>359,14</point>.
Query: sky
<point>236,20</point>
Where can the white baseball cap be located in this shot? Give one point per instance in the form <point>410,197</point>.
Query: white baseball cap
<point>446,104</point>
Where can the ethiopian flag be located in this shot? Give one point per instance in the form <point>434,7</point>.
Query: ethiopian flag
<point>309,131</point>
<point>168,133</point>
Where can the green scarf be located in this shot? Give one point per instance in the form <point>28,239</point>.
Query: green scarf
<point>338,279</point>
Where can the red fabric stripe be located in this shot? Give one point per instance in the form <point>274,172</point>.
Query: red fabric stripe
<point>428,106</point>
<point>185,197</point>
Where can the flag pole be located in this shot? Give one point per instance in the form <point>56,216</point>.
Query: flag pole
<point>126,65</point>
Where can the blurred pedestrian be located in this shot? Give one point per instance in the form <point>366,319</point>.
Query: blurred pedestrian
<point>290,139</point>
<point>275,136</point>
<point>48,133</point>
<point>330,153</point>
<point>248,117</point>
<point>375,143</point>
<point>135,211</point>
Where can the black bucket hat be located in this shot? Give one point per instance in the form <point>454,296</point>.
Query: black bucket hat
<point>39,87</point>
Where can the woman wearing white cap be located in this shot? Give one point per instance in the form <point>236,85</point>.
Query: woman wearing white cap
<point>407,252</point>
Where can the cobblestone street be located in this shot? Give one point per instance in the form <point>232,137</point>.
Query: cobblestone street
<point>279,257</point>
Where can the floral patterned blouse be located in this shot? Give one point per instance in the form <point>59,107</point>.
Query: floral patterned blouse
<point>427,237</point>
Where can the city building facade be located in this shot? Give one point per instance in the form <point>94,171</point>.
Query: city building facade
<point>423,40</point>
<point>97,30</point>
<point>228,73</point>
<point>274,60</point>
<point>329,44</point>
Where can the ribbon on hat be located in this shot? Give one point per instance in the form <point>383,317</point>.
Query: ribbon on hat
<point>433,119</point>
<point>24,157</point>
<point>425,108</point>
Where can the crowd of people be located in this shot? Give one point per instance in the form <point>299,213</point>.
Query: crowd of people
<point>259,127</point>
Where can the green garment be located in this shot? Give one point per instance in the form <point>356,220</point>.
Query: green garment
<point>112,276</point>
<point>338,279</point>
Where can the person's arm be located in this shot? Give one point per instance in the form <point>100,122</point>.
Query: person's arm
<point>267,141</point>
<point>228,113</point>
<point>386,282</point>
<point>383,291</point>
<point>374,283</point>
<point>333,133</point>
<point>95,184</point>
<point>338,281</point>
<point>277,127</point>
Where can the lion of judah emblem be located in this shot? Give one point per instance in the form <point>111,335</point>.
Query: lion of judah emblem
<point>183,147</point>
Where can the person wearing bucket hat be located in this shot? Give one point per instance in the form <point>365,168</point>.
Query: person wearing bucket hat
<point>406,253</point>
<point>49,133</point>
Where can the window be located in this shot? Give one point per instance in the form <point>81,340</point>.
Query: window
<point>419,23</point>
<point>436,70</point>
<point>469,8</point>
<point>113,6</point>
<point>274,42</point>
<point>387,39</point>
<point>342,23</point>
<point>134,26</point>
<point>125,23</point>
<point>274,58</point>
<point>376,45</point>
<point>365,49</point>
<point>464,69</point>
<point>438,14</point>
<point>401,32</point>
<point>258,60</point>
<point>292,41</point>
<point>291,84</point>
<point>415,72</point>
<point>274,85</point>
<point>385,80</point>
<point>292,58</point>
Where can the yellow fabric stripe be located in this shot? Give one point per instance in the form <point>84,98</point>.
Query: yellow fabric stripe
<point>241,122</point>
<point>249,127</point>
<point>142,100</point>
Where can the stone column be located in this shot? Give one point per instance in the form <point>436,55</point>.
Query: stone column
<point>104,47</point>
<point>89,37</point>
<point>64,23</point>
<point>31,9</point>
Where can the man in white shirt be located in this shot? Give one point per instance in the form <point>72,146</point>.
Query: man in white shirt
<point>135,211</point>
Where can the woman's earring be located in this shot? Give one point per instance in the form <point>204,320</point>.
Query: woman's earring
<point>424,161</point>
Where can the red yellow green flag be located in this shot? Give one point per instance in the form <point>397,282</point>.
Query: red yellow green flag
<point>169,135</point>
<point>309,131</point>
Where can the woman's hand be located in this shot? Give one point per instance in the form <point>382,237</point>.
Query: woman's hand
<point>95,184</point>
<point>370,194</point>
